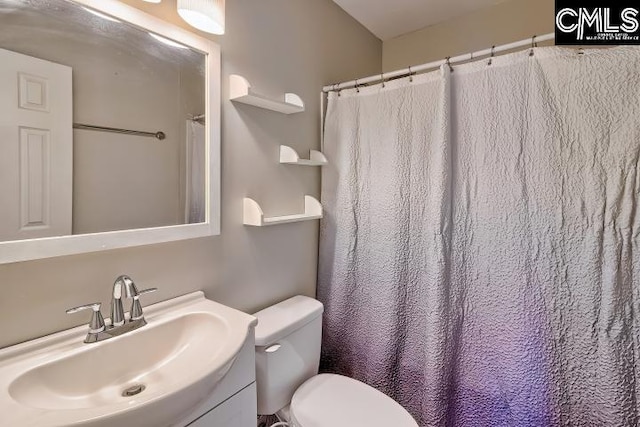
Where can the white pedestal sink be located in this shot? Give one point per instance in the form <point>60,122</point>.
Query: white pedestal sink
<point>169,367</point>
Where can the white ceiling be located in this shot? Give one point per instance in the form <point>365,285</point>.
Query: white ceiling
<point>390,18</point>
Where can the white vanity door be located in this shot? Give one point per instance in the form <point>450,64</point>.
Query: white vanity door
<point>36,147</point>
<point>237,411</point>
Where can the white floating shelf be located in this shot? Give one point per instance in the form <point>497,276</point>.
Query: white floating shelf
<point>240,91</point>
<point>254,216</point>
<point>289,156</point>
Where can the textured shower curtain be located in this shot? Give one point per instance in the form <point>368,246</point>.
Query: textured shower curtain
<point>196,172</point>
<point>479,256</point>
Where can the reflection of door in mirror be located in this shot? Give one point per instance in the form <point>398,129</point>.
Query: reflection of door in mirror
<point>36,147</point>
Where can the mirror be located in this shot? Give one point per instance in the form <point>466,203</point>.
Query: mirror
<point>109,129</point>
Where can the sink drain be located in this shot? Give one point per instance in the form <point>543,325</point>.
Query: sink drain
<point>133,390</point>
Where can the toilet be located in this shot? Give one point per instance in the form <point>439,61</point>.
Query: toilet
<point>288,339</point>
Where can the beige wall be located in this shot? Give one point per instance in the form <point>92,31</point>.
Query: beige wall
<point>502,23</point>
<point>123,182</point>
<point>279,45</point>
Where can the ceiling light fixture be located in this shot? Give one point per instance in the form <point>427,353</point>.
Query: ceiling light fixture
<point>152,1</point>
<point>168,42</point>
<point>101,15</point>
<point>205,15</point>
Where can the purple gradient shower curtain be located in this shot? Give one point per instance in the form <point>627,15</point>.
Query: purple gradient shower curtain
<point>479,257</point>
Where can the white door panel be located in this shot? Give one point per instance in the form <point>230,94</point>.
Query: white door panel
<point>36,147</point>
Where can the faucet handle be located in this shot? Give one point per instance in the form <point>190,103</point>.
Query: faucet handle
<point>136,307</point>
<point>96,324</point>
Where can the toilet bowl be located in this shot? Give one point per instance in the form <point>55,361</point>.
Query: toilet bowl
<point>288,339</point>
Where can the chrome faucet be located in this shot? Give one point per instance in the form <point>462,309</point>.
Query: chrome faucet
<point>117,312</point>
<point>122,287</point>
<point>124,283</point>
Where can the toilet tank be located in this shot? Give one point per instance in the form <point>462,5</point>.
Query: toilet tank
<point>288,339</point>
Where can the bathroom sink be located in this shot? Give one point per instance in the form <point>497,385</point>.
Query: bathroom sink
<point>96,376</point>
<point>149,377</point>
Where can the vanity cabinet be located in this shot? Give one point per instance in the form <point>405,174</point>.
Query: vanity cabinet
<point>238,411</point>
<point>233,401</point>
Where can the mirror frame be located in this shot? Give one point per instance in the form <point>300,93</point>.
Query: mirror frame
<point>32,249</point>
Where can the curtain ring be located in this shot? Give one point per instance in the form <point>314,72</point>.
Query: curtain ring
<point>357,86</point>
<point>580,51</point>
<point>448,59</point>
<point>491,56</point>
<point>382,78</point>
<point>533,44</point>
<point>410,75</point>
<point>338,90</point>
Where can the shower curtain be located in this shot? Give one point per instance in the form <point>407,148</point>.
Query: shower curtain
<point>195,208</point>
<point>479,256</point>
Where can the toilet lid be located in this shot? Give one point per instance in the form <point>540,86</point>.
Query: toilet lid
<point>335,401</point>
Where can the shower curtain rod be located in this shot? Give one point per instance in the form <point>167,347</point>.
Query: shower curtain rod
<point>200,118</point>
<point>158,135</point>
<point>435,64</point>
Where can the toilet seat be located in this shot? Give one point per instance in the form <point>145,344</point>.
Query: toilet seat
<point>329,400</point>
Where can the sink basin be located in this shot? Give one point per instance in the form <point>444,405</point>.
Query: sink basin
<point>97,375</point>
<point>148,377</point>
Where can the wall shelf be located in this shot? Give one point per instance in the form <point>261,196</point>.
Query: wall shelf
<point>240,91</point>
<point>289,156</point>
<point>254,216</point>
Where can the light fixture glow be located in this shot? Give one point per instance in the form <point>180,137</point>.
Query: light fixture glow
<point>205,15</point>
<point>152,1</point>
<point>101,15</point>
<point>168,42</point>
